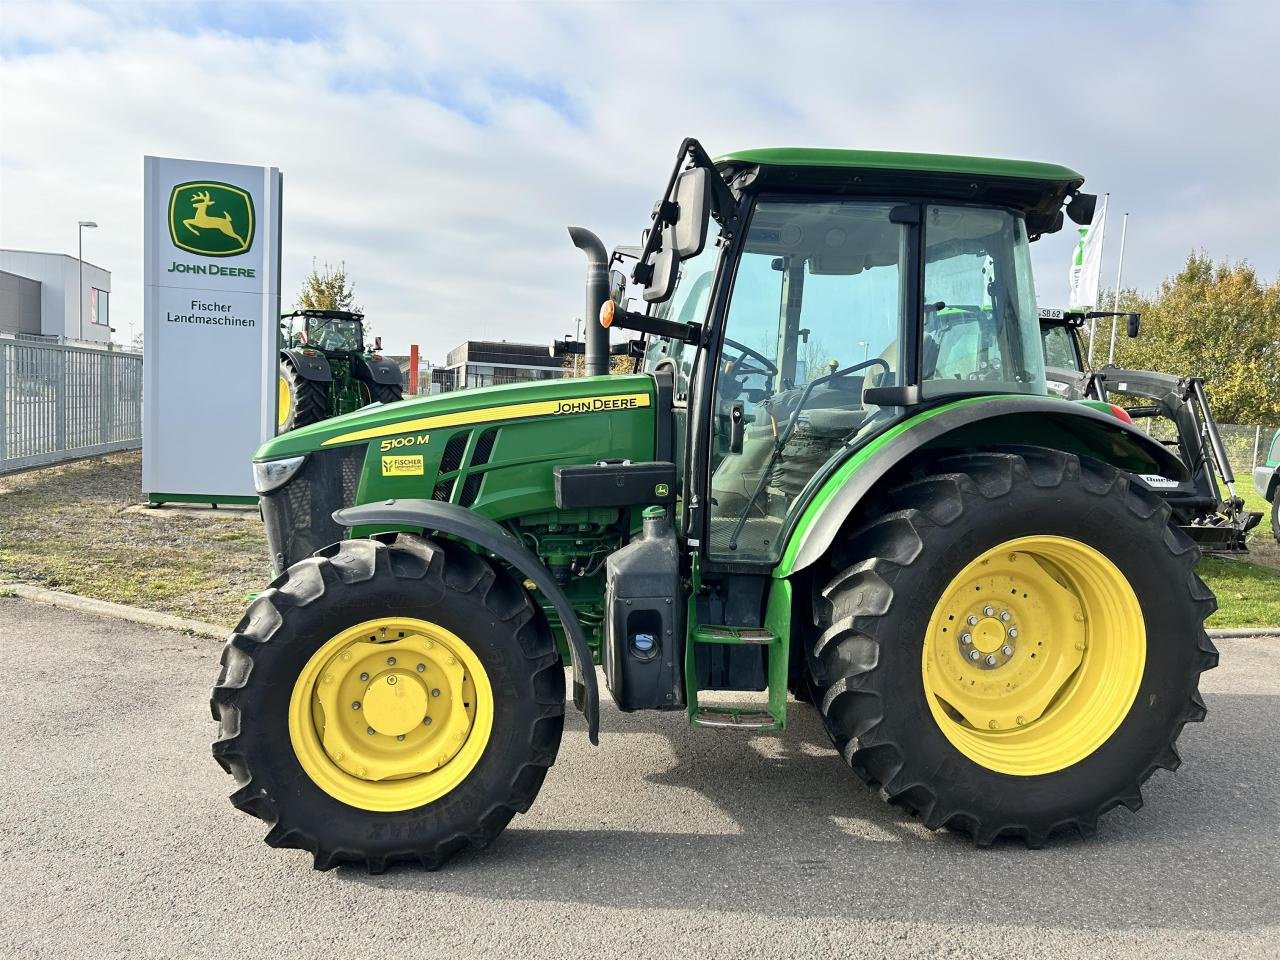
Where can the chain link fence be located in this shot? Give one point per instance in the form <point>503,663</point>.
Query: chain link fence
<point>60,402</point>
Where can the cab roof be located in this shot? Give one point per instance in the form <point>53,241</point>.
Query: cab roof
<point>894,160</point>
<point>1037,190</point>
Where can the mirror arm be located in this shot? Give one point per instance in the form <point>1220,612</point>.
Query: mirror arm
<point>689,333</point>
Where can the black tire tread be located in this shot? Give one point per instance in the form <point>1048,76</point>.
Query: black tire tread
<point>310,398</point>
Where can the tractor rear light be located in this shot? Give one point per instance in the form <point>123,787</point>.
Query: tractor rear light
<point>607,310</point>
<point>1120,413</point>
<point>308,353</point>
<point>377,356</point>
<point>268,475</point>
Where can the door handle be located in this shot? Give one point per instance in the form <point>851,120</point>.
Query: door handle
<point>736,426</point>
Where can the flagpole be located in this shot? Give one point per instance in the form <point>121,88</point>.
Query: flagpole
<point>1102,236</point>
<point>1115,299</point>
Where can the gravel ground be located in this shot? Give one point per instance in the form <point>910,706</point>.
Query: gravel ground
<point>664,841</point>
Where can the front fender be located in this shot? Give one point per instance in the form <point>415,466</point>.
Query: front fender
<point>978,422</point>
<point>438,517</point>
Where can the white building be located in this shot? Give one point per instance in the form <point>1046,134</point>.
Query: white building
<point>59,310</point>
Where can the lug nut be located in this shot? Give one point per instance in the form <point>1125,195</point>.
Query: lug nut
<point>370,731</point>
<point>973,621</point>
<point>966,638</point>
<point>974,654</point>
<point>435,692</point>
<point>426,721</point>
<point>989,611</point>
<point>391,661</point>
<point>421,667</point>
<point>401,737</point>
<point>1004,615</point>
<point>991,660</point>
<point>1013,633</point>
<point>364,676</point>
<point>1007,650</point>
<point>355,704</point>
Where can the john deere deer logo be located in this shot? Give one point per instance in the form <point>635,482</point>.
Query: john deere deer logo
<point>210,218</point>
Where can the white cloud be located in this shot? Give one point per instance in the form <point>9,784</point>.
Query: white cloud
<point>440,150</point>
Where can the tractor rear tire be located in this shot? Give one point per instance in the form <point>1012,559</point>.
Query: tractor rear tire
<point>369,631</point>
<point>918,678</point>
<point>386,392</point>
<point>300,401</point>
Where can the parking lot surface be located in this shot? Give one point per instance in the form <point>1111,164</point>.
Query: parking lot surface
<point>118,840</point>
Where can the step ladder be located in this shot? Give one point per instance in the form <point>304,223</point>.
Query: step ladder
<point>773,716</point>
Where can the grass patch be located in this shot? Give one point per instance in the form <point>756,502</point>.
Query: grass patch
<point>1248,593</point>
<point>66,528</point>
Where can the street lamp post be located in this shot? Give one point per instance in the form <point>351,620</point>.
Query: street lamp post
<point>80,257</point>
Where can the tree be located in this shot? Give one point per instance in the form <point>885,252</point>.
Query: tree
<point>1214,320</point>
<point>328,288</point>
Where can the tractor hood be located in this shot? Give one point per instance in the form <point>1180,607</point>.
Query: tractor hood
<point>543,399</point>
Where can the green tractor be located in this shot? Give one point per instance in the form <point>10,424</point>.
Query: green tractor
<point>834,473</point>
<point>326,369</point>
<point>1266,480</point>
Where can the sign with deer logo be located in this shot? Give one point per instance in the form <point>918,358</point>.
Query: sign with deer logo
<point>211,236</point>
<point>211,219</point>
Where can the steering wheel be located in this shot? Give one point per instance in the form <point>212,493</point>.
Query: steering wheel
<point>769,369</point>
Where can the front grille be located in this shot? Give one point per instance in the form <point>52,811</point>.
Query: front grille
<point>298,515</point>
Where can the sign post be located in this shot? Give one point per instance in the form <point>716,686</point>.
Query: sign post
<point>212,307</point>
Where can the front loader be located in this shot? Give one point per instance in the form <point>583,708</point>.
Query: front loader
<point>835,479</point>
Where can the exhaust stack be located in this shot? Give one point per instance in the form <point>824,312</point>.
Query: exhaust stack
<point>596,336</point>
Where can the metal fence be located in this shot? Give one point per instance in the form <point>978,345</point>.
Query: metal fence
<point>61,402</point>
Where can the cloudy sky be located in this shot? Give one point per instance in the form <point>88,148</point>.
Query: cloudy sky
<point>440,149</point>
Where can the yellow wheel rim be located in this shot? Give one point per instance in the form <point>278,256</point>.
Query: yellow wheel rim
<point>282,402</point>
<point>1033,655</point>
<point>391,714</point>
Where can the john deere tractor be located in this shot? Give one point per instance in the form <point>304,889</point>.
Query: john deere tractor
<point>326,369</point>
<point>835,471</point>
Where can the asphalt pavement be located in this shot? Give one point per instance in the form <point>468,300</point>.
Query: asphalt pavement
<point>117,839</point>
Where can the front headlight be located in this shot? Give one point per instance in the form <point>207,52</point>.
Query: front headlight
<point>270,474</point>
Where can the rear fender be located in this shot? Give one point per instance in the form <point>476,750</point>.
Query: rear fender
<point>376,371</point>
<point>971,424</point>
<point>313,366</point>
<point>436,517</point>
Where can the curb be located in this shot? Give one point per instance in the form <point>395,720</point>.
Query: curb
<point>1236,633</point>
<point>119,611</point>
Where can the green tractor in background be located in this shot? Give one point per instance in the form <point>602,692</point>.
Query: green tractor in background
<point>1266,480</point>
<point>834,473</point>
<point>326,369</point>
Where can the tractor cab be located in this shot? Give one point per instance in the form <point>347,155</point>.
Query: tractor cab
<point>330,331</point>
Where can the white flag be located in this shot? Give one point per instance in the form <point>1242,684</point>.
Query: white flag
<point>1086,265</point>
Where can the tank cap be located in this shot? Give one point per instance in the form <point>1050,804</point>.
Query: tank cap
<point>654,513</point>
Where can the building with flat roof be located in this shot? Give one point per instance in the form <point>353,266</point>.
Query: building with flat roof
<point>487,363</point>
<point>38,297</point>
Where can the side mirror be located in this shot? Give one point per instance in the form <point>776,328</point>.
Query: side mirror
<point>693,203</point>
<point>377,343</point>
<point>1081,208</point>
<point>1135,320</point>
<point>617,286</point>
<point>664,263</point>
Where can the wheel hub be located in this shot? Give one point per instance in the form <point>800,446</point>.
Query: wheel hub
<point>391,713</point>
<point>1010,667</point>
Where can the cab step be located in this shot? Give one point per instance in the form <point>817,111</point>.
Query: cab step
<point>734,718</point>
<point>715,633</point>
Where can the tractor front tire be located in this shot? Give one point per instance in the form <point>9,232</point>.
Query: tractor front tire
<point>386,392</point>
<point>1012,644</point>
<point>387,700</point>
<point>299,401</point>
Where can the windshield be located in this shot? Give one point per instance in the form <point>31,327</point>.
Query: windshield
<point>981,327</point>
<point>338,336</point>
<point>1059,347</point>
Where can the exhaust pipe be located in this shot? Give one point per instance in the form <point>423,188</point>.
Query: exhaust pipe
<point>596,336</point>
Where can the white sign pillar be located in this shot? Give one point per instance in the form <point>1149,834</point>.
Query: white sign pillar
<point>212,308</point>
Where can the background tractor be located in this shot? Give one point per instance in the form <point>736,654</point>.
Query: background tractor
<point>326,369</point>
<point>834,471</point>
<point>1176,407</point>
